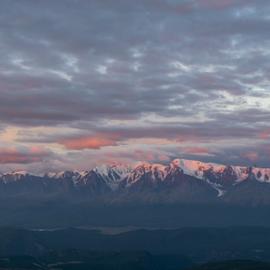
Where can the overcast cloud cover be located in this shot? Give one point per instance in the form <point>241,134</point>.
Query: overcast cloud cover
<point>87,82</point>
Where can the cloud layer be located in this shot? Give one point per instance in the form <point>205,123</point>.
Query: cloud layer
<point>90,81</point>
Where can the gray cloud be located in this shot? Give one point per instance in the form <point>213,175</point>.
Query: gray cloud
<point>181,68</point>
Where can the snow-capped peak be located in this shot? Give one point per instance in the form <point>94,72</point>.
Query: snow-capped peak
<point>23,173</point>
<point>241,173</point>
<point>119,169</point>
<point>111,174</point>
<point>13,176</point>
<point>218,176</point>
<point>197,168</point>
<point>62,174</point>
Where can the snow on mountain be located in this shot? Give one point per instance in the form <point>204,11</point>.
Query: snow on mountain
<point>13,176</point>
<point>262,175</point>
<point>112,174</point>
<point>157,172</point>
<point>64,174</point>
<point>219,177</point>
<point>197,168</point>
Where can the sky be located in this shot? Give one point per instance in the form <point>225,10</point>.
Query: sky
<point>101,81</point>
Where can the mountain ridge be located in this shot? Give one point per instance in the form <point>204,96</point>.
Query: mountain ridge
<point>194,168</point>
<point>188,177</point>
<point>187,165</point>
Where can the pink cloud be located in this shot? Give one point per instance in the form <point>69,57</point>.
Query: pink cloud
<point>252,156</point>
<point>89,142</point>
<point>144,155</point>
<point>16,156</point>
<point>196,150</point>
<point>265,134</point>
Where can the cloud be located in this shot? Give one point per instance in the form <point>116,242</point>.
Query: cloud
<point>221,4</point>
<point>55,71</point>
<point>95,75</point>
<point>264,134</point>
<point>22,156</point>
<point>252,156</point>
<point>196,150</point>
<point>92,142</point>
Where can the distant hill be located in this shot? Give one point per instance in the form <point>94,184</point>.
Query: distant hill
<point>79,260</point>
<point>234,265</point>
<point>198,244</point>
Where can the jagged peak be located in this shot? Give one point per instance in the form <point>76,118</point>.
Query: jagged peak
<point>194,168</point>
<point>63,174</point>
<point>195,165</point>
<point>197,169</point>
<point>147,166</point>
<point>16,174</point>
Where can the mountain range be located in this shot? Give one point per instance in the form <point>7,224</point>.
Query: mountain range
<point>179,181</point>
<point>180,193</point>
